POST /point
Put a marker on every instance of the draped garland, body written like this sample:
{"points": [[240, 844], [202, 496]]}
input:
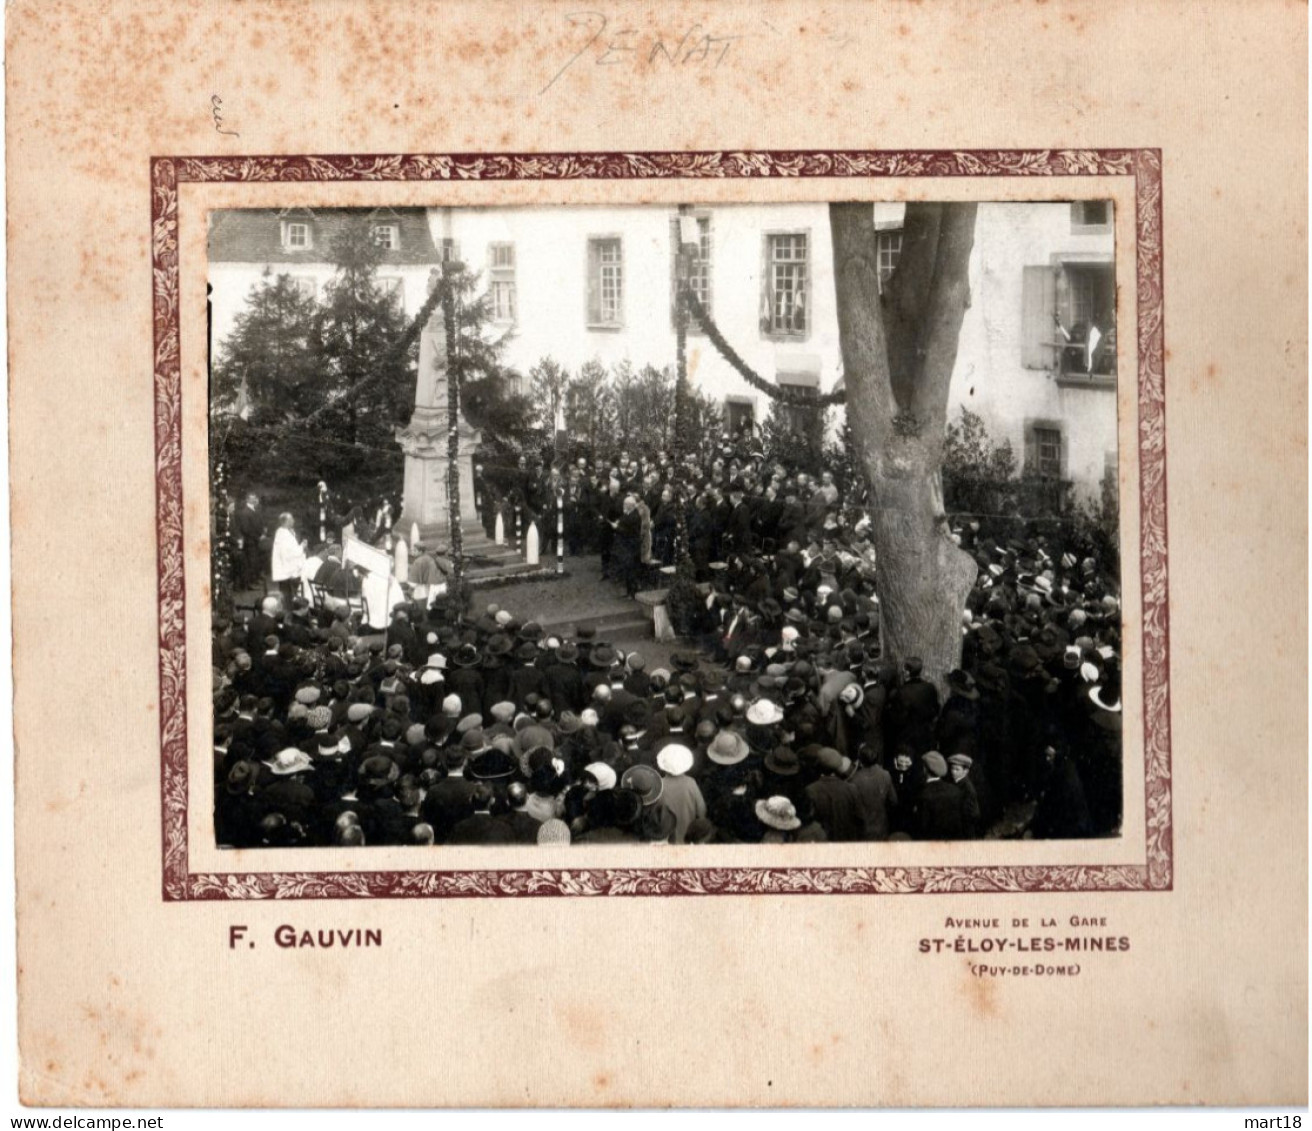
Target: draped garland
{"points": [[681, 555], [221, 551], [453, 368], [682, 597], [745, 371]]}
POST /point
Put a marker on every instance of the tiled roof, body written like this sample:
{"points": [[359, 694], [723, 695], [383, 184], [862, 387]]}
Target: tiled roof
{"points": [[254, 235]]}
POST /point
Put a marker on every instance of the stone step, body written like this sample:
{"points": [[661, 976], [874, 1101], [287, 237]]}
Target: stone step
{"points": [[629, 623], [520, 570]]}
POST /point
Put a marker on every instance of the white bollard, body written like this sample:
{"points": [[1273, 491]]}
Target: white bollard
{"points": [[401, 558], [500, 535], [531, 554]]}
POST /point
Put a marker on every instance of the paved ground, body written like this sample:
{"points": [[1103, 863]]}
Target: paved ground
{"points": [[582, 595], [579, 595]]}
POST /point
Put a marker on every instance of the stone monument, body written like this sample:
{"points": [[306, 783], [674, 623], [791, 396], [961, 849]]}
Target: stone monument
{"points": [[424, 442]]}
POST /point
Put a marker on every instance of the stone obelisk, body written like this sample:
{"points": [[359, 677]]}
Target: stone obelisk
{"points": [[424, 441]]}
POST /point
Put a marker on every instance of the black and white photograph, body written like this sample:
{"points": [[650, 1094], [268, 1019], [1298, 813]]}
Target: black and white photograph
{"points": [[727, 524]]}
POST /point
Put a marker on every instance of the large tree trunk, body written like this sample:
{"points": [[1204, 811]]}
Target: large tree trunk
{"points": [[898, 357]]}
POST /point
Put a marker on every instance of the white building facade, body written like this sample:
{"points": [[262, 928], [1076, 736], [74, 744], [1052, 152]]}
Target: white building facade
{"points": [[579, 284]]}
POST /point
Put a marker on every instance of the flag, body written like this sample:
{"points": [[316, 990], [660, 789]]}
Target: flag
{"points": [[1095, 336]]}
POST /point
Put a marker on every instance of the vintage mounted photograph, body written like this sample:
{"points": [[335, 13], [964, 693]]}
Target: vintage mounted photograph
{"points": [[751, 523]]}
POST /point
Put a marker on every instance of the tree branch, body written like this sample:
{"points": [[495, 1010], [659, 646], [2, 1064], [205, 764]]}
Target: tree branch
{"points": [[870, 400], [949, 297], [906, 297]]}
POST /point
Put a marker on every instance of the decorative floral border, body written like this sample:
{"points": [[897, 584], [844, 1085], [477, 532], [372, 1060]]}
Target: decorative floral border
{"points": [[179, 883]]}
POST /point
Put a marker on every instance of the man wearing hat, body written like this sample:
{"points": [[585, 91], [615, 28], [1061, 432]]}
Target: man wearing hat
{"points": [[782, 774], [942, 809], [238, 807], [450, 799], [913, 708], [959, 766], [248, 528], [835, 801], [611, 817], [957, 730], [465, 680], [526, 677], [876, 797], [480, 826], [564, 682]]}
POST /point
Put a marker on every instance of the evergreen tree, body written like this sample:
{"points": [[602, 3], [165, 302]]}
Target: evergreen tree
{"points": [[290, 356], [794, 435]]}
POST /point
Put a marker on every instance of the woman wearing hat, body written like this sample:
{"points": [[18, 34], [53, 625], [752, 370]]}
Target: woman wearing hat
{"points": [[782, 774], [785, 821], [289, 793], [730, 786], [680, 794]]}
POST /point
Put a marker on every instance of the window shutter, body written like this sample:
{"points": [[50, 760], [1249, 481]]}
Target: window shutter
{"points": [[1031, 446], [1038, 304], [1065, 307], [767, 288], [594, 283]]}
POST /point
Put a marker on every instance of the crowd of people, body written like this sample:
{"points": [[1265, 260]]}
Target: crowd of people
{"points": [[781, 720], [626, 509]]}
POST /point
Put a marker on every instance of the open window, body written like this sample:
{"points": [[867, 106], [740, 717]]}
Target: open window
{"points": [[1069, 319], [699, 271], [785, 292], [799, 374], [739, 415]]}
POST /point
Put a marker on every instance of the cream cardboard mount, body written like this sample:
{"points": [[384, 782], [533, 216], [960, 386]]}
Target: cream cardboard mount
{"points": [[631, 964]]}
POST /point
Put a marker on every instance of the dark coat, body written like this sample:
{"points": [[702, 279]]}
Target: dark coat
{"points": [[481, 828], [468, 684], [942, 813], [875, 797], [565, 686], [837, 808], [526, 680], [449, 801]]}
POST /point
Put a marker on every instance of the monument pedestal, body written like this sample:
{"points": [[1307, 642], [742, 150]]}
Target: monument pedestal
{"points": [[426, 494]]}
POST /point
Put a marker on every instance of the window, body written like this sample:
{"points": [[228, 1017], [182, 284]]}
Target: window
{"points": [[888, 249], [305, 286], [605, 282], [800, 375], [1091, 216], [798, 419], [449, 249], [784, 300], [386, 236], [699, 274], [501, 281], [296, 235], [739, 414], [1043, 454]]}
